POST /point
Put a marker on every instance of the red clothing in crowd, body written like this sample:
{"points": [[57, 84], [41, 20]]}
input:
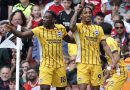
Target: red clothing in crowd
{"points": [[35, 23], [56, 9], [97, 4], [28, 86]]}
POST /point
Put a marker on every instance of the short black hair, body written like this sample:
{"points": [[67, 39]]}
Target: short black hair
{"points": [[100, 14], [119, 21], [52, 13], [12, 79], [115, 2], [106, 27]]}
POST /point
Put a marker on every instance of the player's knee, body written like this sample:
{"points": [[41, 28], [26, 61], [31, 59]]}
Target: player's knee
{"points": [[44, 87]]}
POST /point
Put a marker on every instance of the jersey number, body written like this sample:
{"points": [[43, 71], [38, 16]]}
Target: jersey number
{"points": [[63, 79]]}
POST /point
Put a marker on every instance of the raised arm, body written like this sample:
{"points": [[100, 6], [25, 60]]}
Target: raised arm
{"points": [[74, 18], [20, 34]]}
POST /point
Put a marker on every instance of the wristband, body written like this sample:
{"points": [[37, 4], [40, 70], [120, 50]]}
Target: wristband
{"points": [[109, 68]]}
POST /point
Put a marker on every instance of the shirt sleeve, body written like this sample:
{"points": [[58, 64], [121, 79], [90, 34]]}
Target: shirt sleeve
{"points": [[36, 31], [101, 34], [112, 44]]}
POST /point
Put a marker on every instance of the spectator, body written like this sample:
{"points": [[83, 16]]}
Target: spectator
{"points": [[114, 10], [54, 6], [124, 36], [24, 65], [99, 5], [13, 61], [18, 18], [5, 74], [32, 80], [12, 84], [64, 18], [5, 58], [25, 6], [72, 75], [35, 20], [5, 9], [127, 54], [125, 9]]}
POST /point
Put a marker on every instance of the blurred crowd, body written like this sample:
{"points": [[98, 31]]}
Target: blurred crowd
{"points": [[112, 15]]}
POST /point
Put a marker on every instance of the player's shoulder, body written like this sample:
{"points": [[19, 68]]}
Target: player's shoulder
{"points": [[59, 26], [79, 24], [38, 28], [111, 40]]}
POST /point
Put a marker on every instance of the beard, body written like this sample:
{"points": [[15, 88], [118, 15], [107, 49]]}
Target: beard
{"points": [[31, 79]]}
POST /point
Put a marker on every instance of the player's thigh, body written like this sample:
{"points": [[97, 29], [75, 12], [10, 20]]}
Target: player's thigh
{"points": [[45, 75], [116, 81], [97, 75], [83, 76], [59, 77]]}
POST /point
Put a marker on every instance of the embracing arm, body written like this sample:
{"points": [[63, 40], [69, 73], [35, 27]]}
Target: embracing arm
{"points": [[69, 39], [20, 34]]}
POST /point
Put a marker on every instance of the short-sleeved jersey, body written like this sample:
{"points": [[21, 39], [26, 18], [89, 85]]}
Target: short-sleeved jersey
{"points": [[25, 10], [90, 37], [51, 43], [114, 47]]}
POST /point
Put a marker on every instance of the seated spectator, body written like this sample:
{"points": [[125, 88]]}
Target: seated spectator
{"points": [[125, 9], [32, 80], [12, 84], [127, 54], [24, 66], [5, 58], [64, 18], [72, 75], [124, 36], [114, 10], [35, 20], [13, 61], [5, 74], [18, 18], [25, 6], [54, 6]]}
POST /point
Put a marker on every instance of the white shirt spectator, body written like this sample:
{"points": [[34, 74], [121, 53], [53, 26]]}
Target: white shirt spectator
{"points": [[108, 20]]}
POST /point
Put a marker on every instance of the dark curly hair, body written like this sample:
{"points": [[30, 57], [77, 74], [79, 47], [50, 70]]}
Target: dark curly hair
{"points": [[22, 15]]}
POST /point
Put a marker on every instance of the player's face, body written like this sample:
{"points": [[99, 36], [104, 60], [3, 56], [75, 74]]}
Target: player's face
{"points": [[119, 28], [48, 19], [86, 15]]}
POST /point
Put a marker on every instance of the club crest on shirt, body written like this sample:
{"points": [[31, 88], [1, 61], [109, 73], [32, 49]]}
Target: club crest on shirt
{"points": [[96, 32], [59, 33]]}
